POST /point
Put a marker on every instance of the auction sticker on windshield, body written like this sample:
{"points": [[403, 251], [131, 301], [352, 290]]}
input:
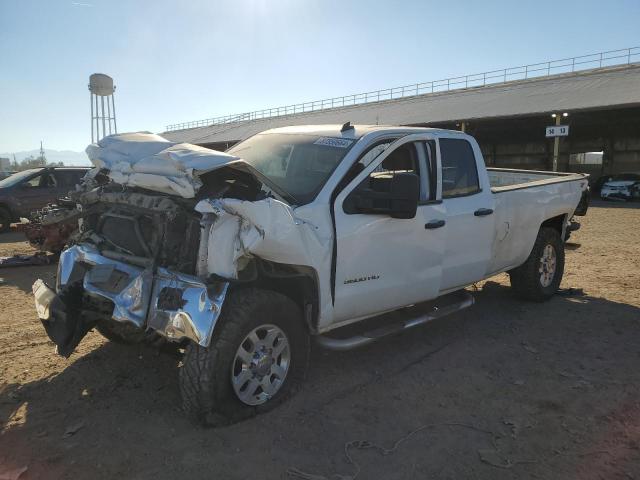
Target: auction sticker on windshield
{"points": [[333, 142]]}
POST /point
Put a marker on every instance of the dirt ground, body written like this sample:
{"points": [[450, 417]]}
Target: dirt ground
{"points": [[504, 390]]}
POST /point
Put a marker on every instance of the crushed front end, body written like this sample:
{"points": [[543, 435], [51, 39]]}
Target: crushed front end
{"points": [[134, 261], [156, 233], [135, 256]]}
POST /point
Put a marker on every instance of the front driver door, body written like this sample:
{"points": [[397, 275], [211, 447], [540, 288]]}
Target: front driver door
{"points": [[384, 263]]}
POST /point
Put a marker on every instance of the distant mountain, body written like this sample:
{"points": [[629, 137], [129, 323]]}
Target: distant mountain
{"points": [[68, 157]]}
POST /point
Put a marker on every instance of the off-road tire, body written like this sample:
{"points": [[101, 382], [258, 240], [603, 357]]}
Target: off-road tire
{"points": [[525, 280], [205, 377], [5, 220]]}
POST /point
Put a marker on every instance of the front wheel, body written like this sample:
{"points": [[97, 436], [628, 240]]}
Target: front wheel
{"points": [[257, 358], [538, 279]]}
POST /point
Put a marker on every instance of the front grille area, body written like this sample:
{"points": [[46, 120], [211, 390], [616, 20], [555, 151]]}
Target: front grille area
{"points": [[131, 234]]}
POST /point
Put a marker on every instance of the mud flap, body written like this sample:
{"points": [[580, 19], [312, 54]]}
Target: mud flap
{"points": [[65, 323]]}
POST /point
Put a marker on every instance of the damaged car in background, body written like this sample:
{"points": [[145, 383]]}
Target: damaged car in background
{"points": [[28, 191], [340, 233], [621, 187]]}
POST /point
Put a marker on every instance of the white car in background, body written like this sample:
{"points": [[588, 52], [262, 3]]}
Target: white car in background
{"points": [[624, 186]]}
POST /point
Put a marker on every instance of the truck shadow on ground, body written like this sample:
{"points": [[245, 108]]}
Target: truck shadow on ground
{"points": [[550, 390]]}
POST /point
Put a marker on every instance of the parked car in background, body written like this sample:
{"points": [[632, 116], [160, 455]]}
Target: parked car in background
{"points": [[25, 192], [621, 187]]}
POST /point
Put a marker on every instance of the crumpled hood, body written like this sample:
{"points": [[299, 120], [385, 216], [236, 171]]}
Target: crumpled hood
{"points": [[147, 160]]}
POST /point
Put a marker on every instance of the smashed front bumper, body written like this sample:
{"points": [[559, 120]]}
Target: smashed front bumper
{"points": [[176, 305]]}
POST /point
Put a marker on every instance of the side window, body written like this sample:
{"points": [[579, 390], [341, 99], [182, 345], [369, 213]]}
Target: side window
{"points": [[373, 153], [48, 181], [44, 180], [403, 159], [368, 157], [459, 171], [68, 178], [78, 177], [33, 182]]}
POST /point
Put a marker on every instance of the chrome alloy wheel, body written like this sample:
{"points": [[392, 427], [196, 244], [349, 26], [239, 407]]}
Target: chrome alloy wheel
{"points": [[261, 364], [547, 268]]}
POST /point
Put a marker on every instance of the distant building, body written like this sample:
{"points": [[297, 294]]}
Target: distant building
{"points": [[508, 116], [5, 163]]}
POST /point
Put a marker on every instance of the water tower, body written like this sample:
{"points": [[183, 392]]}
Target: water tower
{"points": [[103, 120]]}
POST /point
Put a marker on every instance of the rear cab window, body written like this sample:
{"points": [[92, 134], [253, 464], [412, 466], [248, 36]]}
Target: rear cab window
{"points": [[459, 168]]}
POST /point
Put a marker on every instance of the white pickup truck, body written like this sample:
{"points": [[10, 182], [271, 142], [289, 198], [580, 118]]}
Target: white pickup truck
{"points": [[242, 257]]}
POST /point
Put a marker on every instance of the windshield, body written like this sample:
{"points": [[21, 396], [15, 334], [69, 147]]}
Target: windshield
{"points": [[18, 177], [298, 164]]}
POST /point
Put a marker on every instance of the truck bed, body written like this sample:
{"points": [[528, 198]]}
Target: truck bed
{"points": [[505, 179]]}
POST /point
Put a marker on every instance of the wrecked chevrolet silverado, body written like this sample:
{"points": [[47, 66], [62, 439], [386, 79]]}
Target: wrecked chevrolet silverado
{"points": [[341, 233]]}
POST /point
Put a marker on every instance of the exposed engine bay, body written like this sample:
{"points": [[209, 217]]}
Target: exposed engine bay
{"points": [[141, 248]]}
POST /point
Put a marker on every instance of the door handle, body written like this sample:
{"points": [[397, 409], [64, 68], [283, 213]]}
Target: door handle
{"points": [[434, 224], [483, 212]]}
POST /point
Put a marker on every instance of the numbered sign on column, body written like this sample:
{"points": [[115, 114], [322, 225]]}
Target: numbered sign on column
{"points": [[558, 131]]}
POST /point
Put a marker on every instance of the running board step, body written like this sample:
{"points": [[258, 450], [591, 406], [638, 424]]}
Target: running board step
{"points": [[398, 321]]}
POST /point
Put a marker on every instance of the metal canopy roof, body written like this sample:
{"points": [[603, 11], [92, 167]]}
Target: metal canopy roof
{"points": [[615, 87]]}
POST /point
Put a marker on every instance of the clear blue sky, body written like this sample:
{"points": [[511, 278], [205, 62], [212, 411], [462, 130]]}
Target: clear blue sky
{"points": [[176, 61]]}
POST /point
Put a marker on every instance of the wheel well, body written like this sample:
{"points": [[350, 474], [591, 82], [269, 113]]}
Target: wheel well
{"points": [[298, 282], [557, 223]]}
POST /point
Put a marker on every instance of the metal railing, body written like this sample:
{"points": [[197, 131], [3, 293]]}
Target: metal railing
{"points": [[536, 70]]}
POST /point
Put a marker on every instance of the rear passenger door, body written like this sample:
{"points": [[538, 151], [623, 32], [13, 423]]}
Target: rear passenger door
{"points": [[468, 203]]}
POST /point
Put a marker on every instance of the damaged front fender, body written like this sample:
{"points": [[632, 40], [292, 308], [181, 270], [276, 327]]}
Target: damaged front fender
{"points": [[184, 307]]}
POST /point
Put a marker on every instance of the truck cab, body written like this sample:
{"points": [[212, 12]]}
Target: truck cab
{"points": [[446, 245]]}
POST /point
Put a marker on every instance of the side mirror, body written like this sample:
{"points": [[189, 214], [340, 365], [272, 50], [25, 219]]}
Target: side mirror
{"points": [[393, 194]]}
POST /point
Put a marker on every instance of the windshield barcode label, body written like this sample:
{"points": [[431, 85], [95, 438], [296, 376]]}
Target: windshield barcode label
{"points": [[333, 142]]}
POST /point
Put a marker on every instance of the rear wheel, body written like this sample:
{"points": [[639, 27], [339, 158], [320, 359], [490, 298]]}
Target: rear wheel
{"points": [[5, 220], [257, 358], [539, 277]]}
